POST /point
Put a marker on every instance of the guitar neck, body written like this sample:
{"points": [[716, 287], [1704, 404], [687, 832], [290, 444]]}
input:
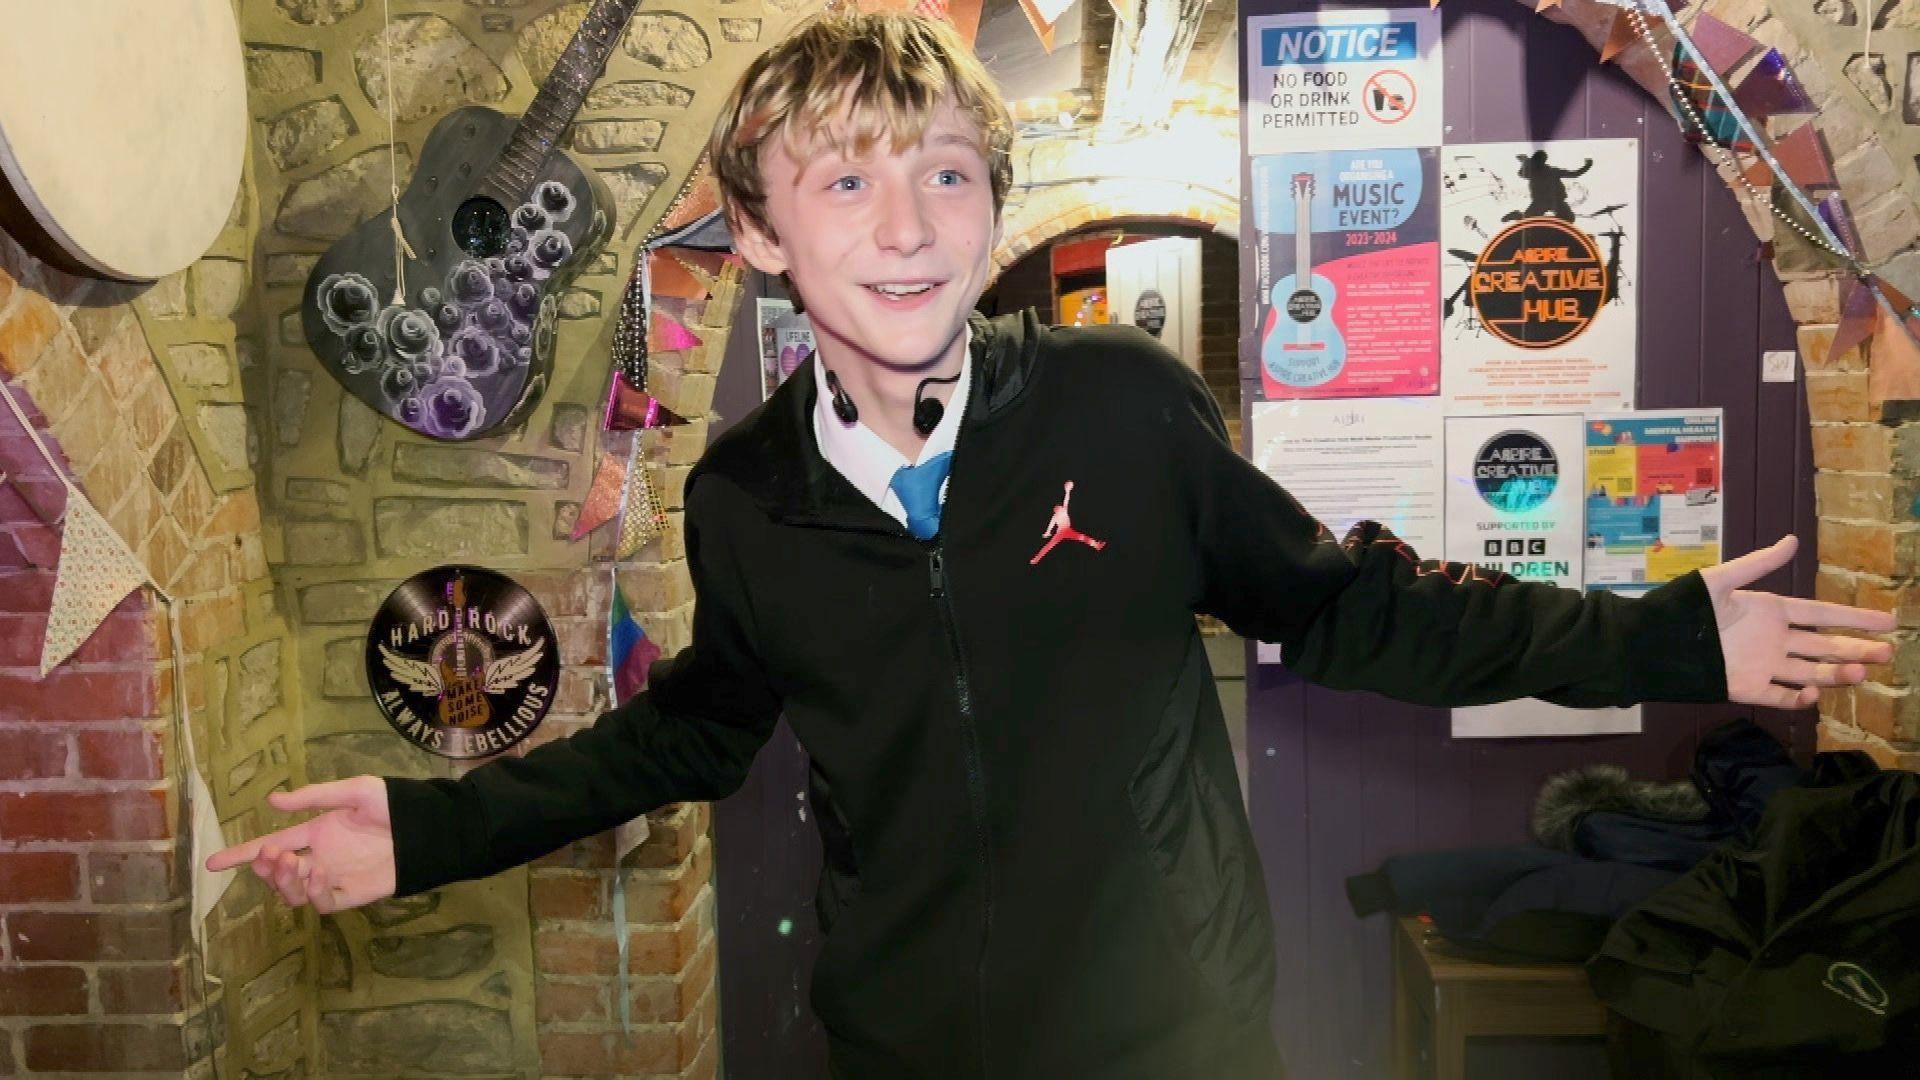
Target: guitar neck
{"points": [[537, 136], [1303, 239]]}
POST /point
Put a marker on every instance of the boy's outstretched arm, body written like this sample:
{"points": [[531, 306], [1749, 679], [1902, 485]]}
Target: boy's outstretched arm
{"points": [[691, 735], [1368, 613]]}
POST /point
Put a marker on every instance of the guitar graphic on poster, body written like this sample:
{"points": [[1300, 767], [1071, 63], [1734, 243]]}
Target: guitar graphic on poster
{"points": [[1311, 351]]}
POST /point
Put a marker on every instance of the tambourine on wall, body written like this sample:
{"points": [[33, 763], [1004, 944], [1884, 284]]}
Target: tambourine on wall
{"points": [[123, 130]]}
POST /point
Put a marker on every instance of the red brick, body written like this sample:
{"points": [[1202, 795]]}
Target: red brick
{"points": [[78, 695], [84, 815], [120, 755], [571, 1002], [574, 952], [662, 952], [644, 1052], [27, 590], [42, 991], [112, 937], [25, 332], [96, 1047], [28, 877], [132, 877], [32, 753], [142, 988], [569, 894]]}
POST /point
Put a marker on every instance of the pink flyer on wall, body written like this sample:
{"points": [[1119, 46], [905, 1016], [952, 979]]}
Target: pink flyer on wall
{"points": [[1348, 269]]}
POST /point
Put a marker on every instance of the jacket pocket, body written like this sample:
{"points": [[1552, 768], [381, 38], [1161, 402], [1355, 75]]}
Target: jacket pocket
{"points": [[1197, 837]]}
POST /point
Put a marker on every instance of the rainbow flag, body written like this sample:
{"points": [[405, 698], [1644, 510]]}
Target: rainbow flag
{"points": [[629, 651]]}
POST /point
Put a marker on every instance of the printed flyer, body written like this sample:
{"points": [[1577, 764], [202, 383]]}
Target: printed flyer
{"points": [[1342, 79], [1347, 264], [1514, 495], [1654, 506], [1541, 248], [786, 342]]}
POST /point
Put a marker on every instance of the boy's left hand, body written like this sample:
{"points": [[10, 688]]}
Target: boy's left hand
{"points": [[1773, 656]]}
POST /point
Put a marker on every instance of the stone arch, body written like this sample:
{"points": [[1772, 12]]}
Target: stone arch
{"points": [[1116, 200]]}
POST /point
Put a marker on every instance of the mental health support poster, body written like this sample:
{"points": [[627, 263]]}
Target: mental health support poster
{"points": [[1654, 506], [1348, 273], [1541, 248], [1331, 80]]}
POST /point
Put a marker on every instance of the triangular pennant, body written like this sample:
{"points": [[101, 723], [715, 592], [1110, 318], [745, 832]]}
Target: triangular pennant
{"points": [[705, 265], [603, 496], [1804, 157], [1770, 89], [1903, 308], [1720, 45], [95, 573], [1544, 5], [1620, 36], [630, 652], [1702, 113], [668, 334], [672, 278], [1758, 174], [699, 196], [1859, 315], [1893, 371], [641, 516], [632, 410], [1833, 210]]}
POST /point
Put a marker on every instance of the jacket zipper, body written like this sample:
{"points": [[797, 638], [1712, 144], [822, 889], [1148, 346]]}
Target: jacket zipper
{"points": [[976, 781]]}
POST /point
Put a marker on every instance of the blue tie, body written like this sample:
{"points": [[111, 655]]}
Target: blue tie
{"points": [[919, 489]]}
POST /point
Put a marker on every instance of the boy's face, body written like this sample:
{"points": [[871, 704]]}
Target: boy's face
{"points": [[888, 252]]}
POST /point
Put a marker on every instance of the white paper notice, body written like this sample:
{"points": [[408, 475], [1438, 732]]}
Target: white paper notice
{"points": [[1515, 495], [1343, 80], [1352, 461]]}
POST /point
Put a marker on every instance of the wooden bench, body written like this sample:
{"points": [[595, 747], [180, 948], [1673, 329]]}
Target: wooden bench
{"points": [[1462, 998]]}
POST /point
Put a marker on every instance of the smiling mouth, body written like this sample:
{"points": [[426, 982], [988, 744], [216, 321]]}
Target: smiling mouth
{"points": [[904, 289]]}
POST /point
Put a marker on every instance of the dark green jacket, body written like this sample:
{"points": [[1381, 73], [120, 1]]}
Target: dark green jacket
{"points": [[1037, 851]]}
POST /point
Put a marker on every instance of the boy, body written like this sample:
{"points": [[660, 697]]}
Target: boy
{"points": [[1037, 861]]}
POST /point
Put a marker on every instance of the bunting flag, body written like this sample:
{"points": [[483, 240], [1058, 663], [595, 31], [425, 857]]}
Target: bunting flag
{"points": [[1859, 317], [1538, 8], [705, 266], [1804, 157], [632, 410], [642, 517], [668, 334], [699, 197], [1720, 45], [1833, 211], [630, 652], [672, 278], [1621, 35], [603, 495], [1771, 89], [1903, 308], [96, 572], [1721, 126], [1893, 372]]}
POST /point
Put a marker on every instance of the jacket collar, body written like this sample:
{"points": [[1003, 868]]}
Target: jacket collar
{"points": [[773, 457]]}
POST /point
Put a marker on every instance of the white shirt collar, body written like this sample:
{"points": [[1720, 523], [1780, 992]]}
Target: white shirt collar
{"points": [[869, 461]]}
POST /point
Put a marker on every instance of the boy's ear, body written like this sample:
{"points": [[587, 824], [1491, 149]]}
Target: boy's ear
{"points": [[760, 250]]}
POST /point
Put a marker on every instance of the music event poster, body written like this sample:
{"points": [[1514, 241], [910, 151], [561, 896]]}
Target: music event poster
{"points": [[1346, 263], [1540, 252], [1654, 497]]}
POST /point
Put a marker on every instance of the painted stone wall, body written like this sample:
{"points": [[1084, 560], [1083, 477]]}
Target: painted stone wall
{"points": [[514, 973]]}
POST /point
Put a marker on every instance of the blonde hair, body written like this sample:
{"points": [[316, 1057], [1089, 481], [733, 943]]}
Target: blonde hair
{"points": [[888, 70]]}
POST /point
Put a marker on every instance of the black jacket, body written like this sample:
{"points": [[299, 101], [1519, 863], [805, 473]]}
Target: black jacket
{"points": [[1793, 954], [1041, 858]]}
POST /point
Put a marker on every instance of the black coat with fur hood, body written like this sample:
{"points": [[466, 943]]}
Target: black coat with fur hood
{"points": [[1038, 852]]}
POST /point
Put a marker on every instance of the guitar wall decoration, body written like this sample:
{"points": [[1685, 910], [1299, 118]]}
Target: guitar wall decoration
{"points": [[1313, 351], [497, 220]]}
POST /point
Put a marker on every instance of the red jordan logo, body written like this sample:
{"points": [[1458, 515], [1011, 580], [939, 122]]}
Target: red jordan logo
{"points": [[1060, 527]]}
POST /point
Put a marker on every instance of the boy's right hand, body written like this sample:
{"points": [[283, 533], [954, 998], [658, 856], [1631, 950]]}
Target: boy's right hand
{"points": [[339, 859]]}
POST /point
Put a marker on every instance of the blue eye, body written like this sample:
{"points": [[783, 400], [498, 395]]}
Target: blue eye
{"points": [[951, 177], [848, 183]]}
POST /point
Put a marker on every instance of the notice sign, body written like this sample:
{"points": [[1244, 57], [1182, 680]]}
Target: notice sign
{"points": [[1347, 261], [1654, 506], [1541, 247], [1514, 495], [1342, 80]]}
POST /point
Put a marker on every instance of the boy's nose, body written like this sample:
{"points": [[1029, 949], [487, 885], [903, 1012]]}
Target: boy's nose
{"points": [[903, 225]]}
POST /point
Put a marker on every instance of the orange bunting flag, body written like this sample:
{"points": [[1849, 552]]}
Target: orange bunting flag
{"points": [[603, 496], [667, 276], [1545, 4], [1620, 37]]}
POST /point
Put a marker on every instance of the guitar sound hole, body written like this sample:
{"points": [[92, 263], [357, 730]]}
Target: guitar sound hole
{"points": [[481, 226]]}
